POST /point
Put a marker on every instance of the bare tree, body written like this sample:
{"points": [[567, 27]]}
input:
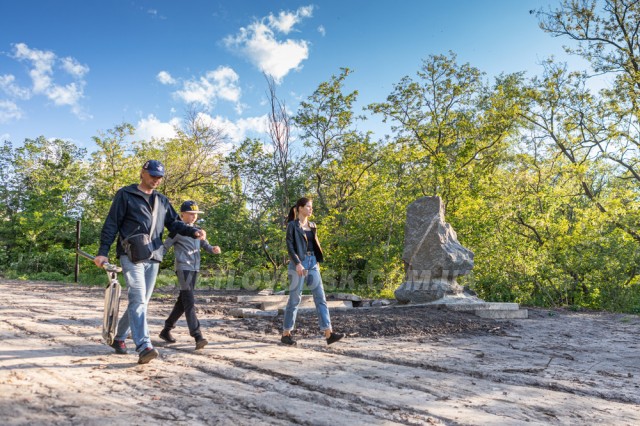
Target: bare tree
{"points": [[279, 132]]}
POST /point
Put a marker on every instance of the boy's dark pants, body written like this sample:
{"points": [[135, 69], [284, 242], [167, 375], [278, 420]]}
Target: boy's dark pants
{"points": [[186, 304]]}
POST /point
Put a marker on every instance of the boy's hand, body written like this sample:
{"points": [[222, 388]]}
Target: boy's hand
{"points": [[216, 250]]}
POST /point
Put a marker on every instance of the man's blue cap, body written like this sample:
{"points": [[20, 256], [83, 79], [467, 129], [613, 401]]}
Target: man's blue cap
{"points": [[154, 167]]}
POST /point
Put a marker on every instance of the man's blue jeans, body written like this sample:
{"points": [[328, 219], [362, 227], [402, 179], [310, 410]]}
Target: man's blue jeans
{"points": [[140, 279], [314, 283]]}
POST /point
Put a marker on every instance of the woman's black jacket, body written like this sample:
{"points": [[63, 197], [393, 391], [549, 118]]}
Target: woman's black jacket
{"points": [[297, 242]]}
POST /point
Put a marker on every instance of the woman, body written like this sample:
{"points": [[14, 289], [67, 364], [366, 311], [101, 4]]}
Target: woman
{"points": [[305, 253]]}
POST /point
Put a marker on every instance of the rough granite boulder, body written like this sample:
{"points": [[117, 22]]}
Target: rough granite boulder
{"points": [[432, 256]]}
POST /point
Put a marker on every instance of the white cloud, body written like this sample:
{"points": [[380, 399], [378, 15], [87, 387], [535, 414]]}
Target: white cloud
{"points": [[74, 67], [285, 21], [5, 137], [69, 94], [9, 111], [322, 30], [226, 80], [42, 72], [238, 130], [221, 83], [152, 128], [165, 78], [305, 11], [42, 63], [154, 13], [10, 87], [258, 42]]}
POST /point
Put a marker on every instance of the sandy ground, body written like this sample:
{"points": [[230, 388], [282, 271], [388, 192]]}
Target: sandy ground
{"points": [[435, 367]]}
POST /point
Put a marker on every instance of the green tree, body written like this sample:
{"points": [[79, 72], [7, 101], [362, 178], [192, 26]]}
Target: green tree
{"points": [[340, 155], [341, 168], [606, 34], [43, 195], [113, 167], [450, 125]]}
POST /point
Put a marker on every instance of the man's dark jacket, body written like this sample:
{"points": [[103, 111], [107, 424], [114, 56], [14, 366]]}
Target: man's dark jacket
{"points": [[131, 214], [297, 242]]}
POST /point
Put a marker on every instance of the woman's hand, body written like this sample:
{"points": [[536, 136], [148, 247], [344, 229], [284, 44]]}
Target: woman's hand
{"points": [[216, 250], [300, 269]]}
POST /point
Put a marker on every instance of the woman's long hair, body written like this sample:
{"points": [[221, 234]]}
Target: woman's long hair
{"points": [[293, 213]]}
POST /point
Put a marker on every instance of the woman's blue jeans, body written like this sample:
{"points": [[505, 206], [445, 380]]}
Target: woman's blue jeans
{"points": [[140, 279], [314, 283]]}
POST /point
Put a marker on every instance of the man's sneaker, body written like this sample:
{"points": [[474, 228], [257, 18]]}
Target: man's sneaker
{"points": [[165, 335], [201, 343], [287, 340], [147, 355], [119, 346], [334, 337]]}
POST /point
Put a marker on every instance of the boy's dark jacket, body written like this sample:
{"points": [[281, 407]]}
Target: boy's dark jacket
{"points": [[297, 242], [130, 214]]}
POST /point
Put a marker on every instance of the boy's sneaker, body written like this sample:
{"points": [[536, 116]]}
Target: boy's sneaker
{"points": [[147, 355], [334, 337], [119, 346], [201, 343], [288, 340], [165, 335]]}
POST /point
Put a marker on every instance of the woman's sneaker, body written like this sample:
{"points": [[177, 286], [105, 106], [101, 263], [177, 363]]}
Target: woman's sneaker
{"points": [[334, 337], [119, 346], [287, 340]]}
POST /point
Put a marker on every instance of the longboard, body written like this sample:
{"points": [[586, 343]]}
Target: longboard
{"points": [[111, 308], [111, 300]]}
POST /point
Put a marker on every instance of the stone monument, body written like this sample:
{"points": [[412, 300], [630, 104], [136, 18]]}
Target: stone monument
{"points": [[432, 256]]}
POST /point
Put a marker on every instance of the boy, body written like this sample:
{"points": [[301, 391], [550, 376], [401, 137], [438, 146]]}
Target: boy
{"points": [[187, 252]]}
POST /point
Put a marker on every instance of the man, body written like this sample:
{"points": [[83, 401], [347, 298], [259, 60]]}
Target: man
{"points": [[131, 213]]}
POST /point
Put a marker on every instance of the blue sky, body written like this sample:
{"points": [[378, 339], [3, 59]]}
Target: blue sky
{"points": [[70, 69]]}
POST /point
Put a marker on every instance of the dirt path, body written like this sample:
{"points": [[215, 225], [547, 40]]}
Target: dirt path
{"points": [[554, 368]]}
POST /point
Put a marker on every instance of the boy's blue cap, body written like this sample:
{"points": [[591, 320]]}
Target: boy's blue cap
{"points": [[154, 167], [189, 207]]}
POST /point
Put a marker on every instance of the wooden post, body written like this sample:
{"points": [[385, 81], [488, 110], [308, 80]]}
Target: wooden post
{"points": [[77, 269]]}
